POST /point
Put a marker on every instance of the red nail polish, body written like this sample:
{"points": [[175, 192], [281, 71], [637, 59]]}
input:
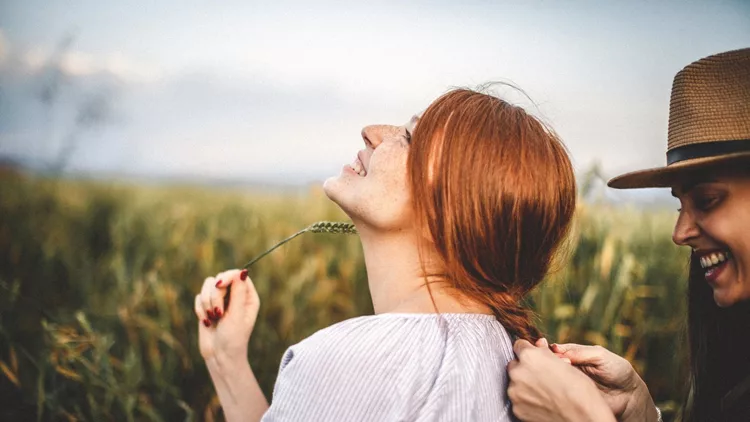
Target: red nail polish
{"points": [[217, 312], [207, 323], [210, 314], [243, 275], [218, 283]]}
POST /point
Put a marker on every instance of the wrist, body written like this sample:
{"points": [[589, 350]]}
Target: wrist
{"points": [[587, 405], [222, 366], [641, 406], [594, 411]]}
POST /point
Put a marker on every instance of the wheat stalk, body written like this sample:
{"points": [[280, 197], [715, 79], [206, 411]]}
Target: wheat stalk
{"points": [[334, 227]]}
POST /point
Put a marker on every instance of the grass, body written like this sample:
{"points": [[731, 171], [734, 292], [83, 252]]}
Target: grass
{"points": [[97, 284]]}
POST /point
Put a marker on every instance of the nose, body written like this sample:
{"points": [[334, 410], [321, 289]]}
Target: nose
{"points": [[685, 229], [374, 135]]}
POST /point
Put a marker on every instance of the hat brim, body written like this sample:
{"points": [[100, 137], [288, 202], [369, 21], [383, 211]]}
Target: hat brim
{"points": [[664, 177]]}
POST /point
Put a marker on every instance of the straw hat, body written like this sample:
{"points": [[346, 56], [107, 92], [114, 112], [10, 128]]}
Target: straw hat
{"points": [[709, 120]]}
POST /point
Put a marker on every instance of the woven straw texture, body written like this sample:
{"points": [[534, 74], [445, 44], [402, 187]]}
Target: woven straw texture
{"points": [[711, 100], [710, 103]]}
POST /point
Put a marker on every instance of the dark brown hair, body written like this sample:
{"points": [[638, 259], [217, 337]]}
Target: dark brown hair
{"points": [[719, 342], [495, 190]]}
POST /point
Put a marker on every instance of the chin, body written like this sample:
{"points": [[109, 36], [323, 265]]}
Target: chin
{"points": [[725, 298], [329, 187], [338, 191], [722, 301]]}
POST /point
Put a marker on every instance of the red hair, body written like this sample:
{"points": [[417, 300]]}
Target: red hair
{"points": [[495, 190]]}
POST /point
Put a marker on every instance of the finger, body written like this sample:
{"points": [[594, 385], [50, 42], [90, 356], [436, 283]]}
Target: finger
{"points": [[224, 279], [511, 391], [563, 358], [221, 283], [209, 284], [582, 355], [520, 346], [513, 365], [217, 301], [218, 294], [224, 284], [562, 348], [201, 313], [542, 342]]}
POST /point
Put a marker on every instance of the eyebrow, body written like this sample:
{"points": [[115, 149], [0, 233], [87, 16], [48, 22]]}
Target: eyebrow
{"points": [[687, 187]]}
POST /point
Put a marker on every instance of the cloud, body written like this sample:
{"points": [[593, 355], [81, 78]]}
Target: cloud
{"points": [[4, 48], [77, 63], [33, 60], [129, 69]]}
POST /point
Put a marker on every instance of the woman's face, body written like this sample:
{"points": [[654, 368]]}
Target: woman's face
{"points": [[714, 220], [374, 189]]}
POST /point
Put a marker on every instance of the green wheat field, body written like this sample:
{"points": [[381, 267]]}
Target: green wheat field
{"points": [[97, 282]]}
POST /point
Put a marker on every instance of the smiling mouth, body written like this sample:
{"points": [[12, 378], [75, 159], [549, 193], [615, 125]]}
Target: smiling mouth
{"points": [[358, 167], [714, 263]]}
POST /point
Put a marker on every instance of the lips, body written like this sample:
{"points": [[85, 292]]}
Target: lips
{"points": [[358, 167], [714, 263]]}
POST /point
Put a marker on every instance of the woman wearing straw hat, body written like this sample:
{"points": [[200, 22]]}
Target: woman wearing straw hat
{"points": [[708, 169]]}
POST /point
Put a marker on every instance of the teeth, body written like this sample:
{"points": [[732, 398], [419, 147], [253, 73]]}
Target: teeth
{"points": [[358, 167], [713, 259]]}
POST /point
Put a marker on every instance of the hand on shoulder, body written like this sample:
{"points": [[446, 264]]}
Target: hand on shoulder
{"points": [[620, 385], [544, 387]]}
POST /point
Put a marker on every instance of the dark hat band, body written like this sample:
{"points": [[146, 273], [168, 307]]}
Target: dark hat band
{"points": [[707, 149]]}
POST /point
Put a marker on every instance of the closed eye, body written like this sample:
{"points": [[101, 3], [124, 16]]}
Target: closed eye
{"points": [[407, 135], [706, 203]]}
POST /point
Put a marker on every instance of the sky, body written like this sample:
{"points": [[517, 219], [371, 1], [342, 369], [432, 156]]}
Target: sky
{"points": [[277, 92]]}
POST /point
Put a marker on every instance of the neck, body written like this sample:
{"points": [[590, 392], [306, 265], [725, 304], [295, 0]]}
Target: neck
{"points": [[395, 276]]}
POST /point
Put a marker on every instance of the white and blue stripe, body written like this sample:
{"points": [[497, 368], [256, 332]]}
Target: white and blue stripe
{"points": [[397, 367]]}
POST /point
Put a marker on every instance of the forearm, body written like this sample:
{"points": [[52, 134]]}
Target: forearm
{"points": [[641, 407], [239, 392]]}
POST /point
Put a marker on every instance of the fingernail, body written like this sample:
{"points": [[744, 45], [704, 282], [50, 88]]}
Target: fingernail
{"points": [[207, 323], [544, 342], [243, 275], [217, 312], [210, 314], [218, 283]]}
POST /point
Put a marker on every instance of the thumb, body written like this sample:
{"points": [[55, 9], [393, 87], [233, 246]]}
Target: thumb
{"points": [[520, 346], [542, 342], [580, 354]]}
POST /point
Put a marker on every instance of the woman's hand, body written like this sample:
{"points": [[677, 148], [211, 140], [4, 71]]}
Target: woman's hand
{"points": [[623, 390], [224, 333], [544, 387]]}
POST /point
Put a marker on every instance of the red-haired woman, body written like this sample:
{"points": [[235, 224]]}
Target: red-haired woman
{"points": [[460, 213]]}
